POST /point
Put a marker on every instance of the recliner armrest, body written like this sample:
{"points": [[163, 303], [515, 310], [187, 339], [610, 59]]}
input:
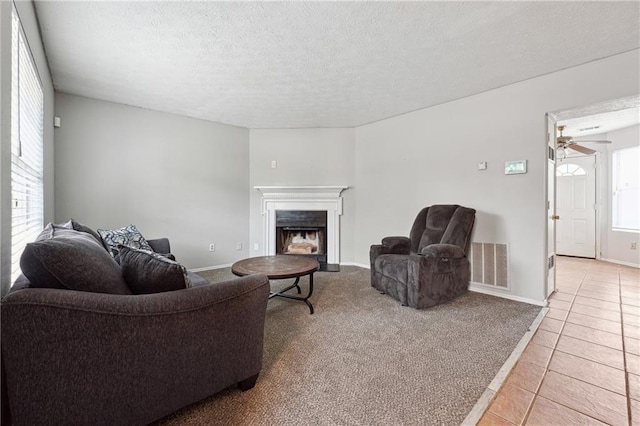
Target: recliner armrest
{"points": [[390, 245], [448, 251], [397, 245]]}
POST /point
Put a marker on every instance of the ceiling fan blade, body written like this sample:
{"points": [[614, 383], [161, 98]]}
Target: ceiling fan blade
{"points": [[581, 149], [596, 141]]}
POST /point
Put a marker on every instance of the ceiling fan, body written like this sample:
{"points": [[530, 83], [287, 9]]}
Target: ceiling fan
{"points": [[567, 142]]}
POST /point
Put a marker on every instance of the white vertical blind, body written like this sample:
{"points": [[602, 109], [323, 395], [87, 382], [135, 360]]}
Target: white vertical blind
{"points": [[27, 139]]}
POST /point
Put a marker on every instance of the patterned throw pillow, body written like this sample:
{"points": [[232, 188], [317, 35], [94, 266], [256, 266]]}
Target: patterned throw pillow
{"points": [[129, 236], [148, 272]]}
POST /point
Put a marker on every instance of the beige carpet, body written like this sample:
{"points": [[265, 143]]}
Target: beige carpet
{"points": [[362, 359]]}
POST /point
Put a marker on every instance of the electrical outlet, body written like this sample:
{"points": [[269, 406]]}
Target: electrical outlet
{"points": [[238, 245], [256, 246], [633, 245], [212, 247], [274, 164]]}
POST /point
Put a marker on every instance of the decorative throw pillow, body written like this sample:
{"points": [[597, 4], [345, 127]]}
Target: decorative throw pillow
{"points": [[72, 260], [129, 236], [148, 272]]}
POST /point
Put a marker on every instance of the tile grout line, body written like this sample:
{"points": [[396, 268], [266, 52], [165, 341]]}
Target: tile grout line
{"points": [[624, 352], [553, 351], [547, 369], [491, 392]]}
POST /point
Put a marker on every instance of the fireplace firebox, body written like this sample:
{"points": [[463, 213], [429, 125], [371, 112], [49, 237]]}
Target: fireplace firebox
{"points": [[303, 233]]}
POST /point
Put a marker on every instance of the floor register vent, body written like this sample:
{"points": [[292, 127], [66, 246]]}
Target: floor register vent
{"points": [[490, 264]]}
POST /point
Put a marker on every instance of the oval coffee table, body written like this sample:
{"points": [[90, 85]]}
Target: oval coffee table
{"points": [[280, 267]]}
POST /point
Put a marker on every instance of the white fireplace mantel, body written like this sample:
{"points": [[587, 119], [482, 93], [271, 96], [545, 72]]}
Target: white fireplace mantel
{"points": [[300, 191], [322, 198]]}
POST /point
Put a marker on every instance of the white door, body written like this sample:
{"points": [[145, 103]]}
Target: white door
{"points": [[551, 206], [576, 206]]}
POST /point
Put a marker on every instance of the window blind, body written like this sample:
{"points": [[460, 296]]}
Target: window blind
{"points": [[27, 154]]}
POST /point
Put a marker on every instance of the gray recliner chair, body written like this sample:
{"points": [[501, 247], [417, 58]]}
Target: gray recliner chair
{"points": [[431, 266]]}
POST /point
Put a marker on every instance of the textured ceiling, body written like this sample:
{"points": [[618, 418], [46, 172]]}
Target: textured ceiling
{"points": [[600, 118], [318, 64]]}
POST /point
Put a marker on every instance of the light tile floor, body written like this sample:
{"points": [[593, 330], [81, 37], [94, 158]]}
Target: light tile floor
{"points": [[582, 367]]}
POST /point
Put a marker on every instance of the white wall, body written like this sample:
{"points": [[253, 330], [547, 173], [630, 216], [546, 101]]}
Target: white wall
{"points": [[430, 157], [170, 175], [618, 243], [30, 26], [304, 157]]}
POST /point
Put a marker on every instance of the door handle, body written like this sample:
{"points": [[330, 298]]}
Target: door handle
{"points": [[555, 217]]}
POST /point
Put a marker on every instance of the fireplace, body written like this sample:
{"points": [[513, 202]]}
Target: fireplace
{"points": [[303, 220], [302, 232]]}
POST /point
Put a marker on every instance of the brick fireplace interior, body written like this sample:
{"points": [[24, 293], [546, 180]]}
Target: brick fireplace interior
{"points": [[303, 233]]}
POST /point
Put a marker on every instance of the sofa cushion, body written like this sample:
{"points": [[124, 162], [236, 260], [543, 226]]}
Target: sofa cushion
{"points": [[147, 272], [47, 231], [83, 228], [73, 260], [128, 236], [196, 280]]}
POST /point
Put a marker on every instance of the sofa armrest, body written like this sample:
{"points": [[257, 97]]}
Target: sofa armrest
{"points": [[448, 251], [92, 358], [160, 245]]}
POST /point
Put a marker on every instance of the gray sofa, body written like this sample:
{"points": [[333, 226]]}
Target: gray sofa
{"points": [[73, 357], [430, 266]]}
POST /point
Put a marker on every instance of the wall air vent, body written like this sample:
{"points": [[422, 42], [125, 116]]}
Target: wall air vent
{"points": [[490, 264]]}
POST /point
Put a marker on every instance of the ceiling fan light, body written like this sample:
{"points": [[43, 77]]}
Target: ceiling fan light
{"points": [[562, 153]]}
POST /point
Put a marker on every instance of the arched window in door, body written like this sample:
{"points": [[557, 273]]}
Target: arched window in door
{"points": [[569, 169]]}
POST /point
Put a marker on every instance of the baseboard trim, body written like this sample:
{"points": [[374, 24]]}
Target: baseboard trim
{"points": [[620, 262], [360, 265], [479, 288], [209, 268]]}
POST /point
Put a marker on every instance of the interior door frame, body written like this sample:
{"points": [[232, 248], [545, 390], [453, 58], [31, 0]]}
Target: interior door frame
{"points": [[551, 150], [599, 203]]}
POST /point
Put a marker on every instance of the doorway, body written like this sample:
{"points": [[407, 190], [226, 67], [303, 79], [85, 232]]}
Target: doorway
{"points": [[576, 206], [588, 122]]}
